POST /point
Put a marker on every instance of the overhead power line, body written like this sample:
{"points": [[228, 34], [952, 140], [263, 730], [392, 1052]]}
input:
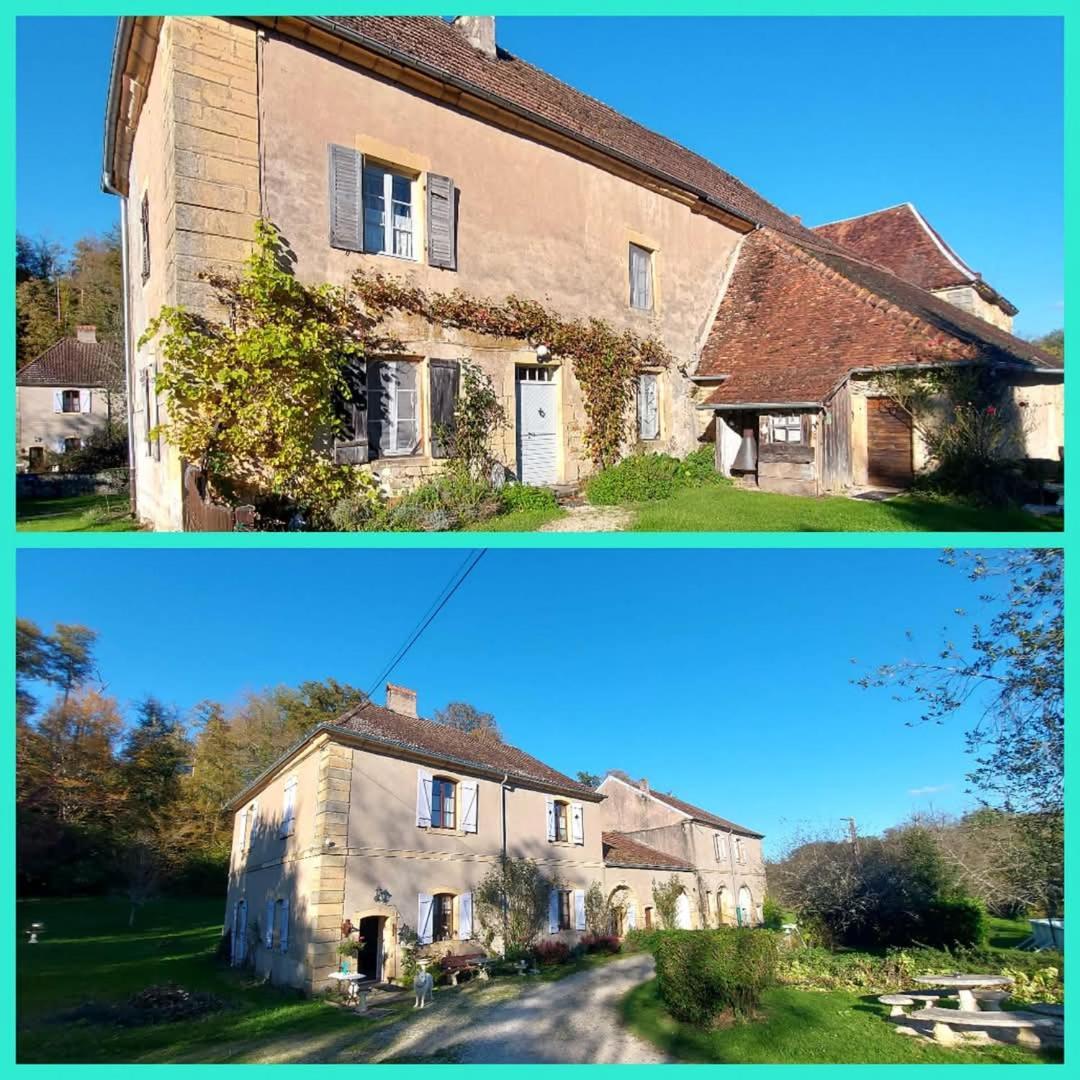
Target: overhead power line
{"points": [[457, 579]]}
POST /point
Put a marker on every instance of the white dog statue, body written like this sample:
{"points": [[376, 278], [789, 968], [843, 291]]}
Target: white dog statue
{"points": [[423, 985]]}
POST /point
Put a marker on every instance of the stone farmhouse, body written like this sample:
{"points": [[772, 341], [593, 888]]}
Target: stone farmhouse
{"points": [[418, 147], [388, 822], [63, 396]]}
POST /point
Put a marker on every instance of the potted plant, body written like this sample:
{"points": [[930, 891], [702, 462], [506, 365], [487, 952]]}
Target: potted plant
{"points": [[349, 949]]}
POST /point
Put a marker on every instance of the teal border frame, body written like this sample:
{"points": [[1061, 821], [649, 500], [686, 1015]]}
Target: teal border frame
{"points": [[1068, 12]]}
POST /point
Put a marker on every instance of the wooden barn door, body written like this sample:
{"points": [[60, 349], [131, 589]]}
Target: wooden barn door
{"points": [[888, 444]]}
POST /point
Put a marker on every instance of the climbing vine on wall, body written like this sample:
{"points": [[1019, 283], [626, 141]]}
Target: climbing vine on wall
{"points": [[605, 361]]}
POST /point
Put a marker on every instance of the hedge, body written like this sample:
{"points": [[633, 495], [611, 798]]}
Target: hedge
{"points": [[703, 973]]}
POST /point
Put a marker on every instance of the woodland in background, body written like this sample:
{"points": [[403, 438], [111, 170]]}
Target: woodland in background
{"points": [[110, 798], [57, 290]]}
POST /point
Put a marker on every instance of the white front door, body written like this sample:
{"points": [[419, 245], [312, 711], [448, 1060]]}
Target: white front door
{"points": [[682, 912], [537, 431]]}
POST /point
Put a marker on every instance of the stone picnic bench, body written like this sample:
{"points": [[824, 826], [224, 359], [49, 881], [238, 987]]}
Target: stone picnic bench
{"points": [[464, 964], [980, 1017]]}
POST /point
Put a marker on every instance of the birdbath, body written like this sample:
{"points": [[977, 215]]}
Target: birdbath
{"points": [[32, 932], [965, 985]]}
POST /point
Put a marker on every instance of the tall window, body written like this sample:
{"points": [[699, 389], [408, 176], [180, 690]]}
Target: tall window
{"points": [[720, 847], [442, 803], [641, 278], [648, 411], [740, 855], [71, 401], [565, 900], [442, 917], [648, 918], [71, 445], [388, 212], [562, 831], [392, 408]]}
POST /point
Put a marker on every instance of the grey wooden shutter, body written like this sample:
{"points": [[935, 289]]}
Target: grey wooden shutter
{"points": [[351, 446], [445, 376], [346, 209], [441, 222]]}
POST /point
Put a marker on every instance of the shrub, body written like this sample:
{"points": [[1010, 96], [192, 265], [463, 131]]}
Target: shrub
{"points": [[601, 943], [772, 914], [1039, 988], [511, 903], [549, 953], [646, 477], [955, 923], [523, 497], [641, 940], [703, 973]]}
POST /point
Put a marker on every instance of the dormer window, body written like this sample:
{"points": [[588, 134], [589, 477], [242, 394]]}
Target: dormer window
{"points": [[443, 800]]}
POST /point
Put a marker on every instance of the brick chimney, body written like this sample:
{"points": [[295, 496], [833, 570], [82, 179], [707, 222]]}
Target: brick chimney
{"points": [[400, 699], [478, 31], [643, 785], [87, 334]]}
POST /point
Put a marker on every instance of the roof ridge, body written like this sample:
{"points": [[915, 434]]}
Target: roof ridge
{"points": [[857, 217]]}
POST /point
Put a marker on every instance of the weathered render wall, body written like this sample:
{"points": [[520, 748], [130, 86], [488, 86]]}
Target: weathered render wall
{"points": [[390, 860], [634, 885], [1041, 401], [293, 867], [967, 298], [531, 220], [196, 155], [37, 424]]}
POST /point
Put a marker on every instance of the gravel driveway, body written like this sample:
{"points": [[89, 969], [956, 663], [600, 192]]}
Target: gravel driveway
{"points": [[572, 1020]]}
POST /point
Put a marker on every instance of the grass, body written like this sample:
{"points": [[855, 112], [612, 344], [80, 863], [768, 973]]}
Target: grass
{"points": [[725, 508], [518, 521], [1008, 933], [88, 953], [76, 513], [803, 1027]]}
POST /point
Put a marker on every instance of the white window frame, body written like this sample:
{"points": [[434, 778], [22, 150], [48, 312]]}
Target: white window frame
{"points": [[389, 173], [720, 847], [650, 302], [740, 854], [642, 378], [392, 420], [786, 428]]}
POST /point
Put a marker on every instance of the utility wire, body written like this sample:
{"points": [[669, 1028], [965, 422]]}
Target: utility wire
{"points": [[457, 579]]}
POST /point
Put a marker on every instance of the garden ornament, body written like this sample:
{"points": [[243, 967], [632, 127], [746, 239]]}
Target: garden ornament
{"points": [[423, 985]]}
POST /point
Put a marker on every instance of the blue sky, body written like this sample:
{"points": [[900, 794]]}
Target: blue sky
{"points": [[828, 118], [722, 676]]}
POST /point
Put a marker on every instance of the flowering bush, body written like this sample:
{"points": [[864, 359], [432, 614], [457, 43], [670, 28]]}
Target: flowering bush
{"points": [[601, 943], [549, 953]]}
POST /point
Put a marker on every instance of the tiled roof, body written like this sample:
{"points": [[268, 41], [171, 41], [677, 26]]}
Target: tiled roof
{"points": [[797, 318], [704, 816], [621, 850], [431, 41], [903, 241], [439, 740], [75, 363]]}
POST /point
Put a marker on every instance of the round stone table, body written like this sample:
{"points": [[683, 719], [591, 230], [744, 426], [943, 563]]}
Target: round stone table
{"points": [[965, 985]]}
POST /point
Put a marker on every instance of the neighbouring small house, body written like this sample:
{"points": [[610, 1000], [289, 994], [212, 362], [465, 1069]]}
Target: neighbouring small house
{"points": [[650, 833], [419, 148], [72, 389], [384, 823]]}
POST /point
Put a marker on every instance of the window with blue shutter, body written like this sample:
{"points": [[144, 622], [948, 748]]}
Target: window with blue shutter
{"points": [[346, 170]]}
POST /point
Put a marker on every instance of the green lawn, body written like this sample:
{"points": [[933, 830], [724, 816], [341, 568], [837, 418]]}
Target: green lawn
{"points": [[1008, 933], [725, 508], [88, 953], [517, 521], [803, 1027], [77, 513]]}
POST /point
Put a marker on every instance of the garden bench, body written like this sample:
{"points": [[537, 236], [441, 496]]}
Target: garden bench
{"points": [[949, 1026], [464, 963], [898, 1003]]}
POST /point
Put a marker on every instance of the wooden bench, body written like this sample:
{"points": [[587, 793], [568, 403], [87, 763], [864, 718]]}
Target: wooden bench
{"points": [[463, 963]]}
